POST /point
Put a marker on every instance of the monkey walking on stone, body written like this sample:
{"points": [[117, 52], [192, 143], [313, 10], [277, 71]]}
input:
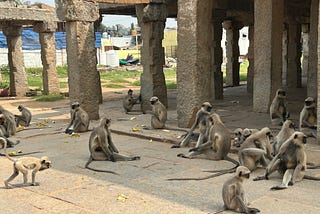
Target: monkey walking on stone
{"points": [[278, 108], [25, 118], [102, 148], [202, 120], [79, 119], [290, 162], [233, 194], [25, 164]]}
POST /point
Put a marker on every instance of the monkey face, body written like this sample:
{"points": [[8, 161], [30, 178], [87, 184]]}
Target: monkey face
{"points": [[75, 105], [45, 163], [299, 138], [130, 92], [243, 172], [206, 106], [20, 107], [281, 93], [153, 100]]}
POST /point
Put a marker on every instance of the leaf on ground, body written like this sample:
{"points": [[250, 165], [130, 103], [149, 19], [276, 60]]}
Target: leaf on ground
{"points": [[133, 118], [122, 197], [19, 128], [135, 129], [75, 134], [41, 125]]}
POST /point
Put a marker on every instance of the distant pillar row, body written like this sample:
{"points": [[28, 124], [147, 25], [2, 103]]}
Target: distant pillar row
{"points": [[18, 77], [83, 77], [48, 57], [151, 19]]}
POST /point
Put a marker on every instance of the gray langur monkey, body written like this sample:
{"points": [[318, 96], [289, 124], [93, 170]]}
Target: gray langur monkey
{"points": [[233, 194], [308, 118], [129, 101], [255, 149], [10, 123], [159, 113], [290, 162], [287, 129], [242, 134], [278, 108], [102, 148], [25, 164], [25, 118], [204, 126], [79, 119]]}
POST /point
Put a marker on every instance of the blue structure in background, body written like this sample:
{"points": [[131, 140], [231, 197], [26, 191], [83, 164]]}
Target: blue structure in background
{"points": [[30, 40]]}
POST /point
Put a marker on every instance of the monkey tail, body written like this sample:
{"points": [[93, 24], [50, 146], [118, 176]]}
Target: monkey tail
{"points": [[4, 143], [309, 177], [201, 178], [97, 170], [227, 158]]}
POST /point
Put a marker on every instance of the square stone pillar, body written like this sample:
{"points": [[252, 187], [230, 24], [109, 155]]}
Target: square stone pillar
{"points": [[48, 57], [316, 7], [293, 78], [217, 54], [313, 50], [152, 18], [268, 25], [18, 77], [305, 49], [194, 57], [232, 52], [250, 71], [83, 77]]}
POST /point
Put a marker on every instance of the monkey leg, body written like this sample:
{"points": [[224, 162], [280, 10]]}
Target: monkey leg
{"points": [[119, 157], [285, 180], [33, 181], [13, 176], [100, 156], [200, 139], [190, 155], [156, 123], [249, 156]]}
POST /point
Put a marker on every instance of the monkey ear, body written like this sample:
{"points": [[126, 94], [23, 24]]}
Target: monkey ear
{"points": [[295, 136]]}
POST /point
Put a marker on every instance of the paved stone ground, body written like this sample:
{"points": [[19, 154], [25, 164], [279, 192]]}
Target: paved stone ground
{"points": [[141, 186]]}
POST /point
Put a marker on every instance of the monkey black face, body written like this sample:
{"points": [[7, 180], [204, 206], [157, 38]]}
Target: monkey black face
{"points": [[153, 100], [20, 107], [281, 93], [75, 105], [309, 103], [45, 163], [130, 92]]}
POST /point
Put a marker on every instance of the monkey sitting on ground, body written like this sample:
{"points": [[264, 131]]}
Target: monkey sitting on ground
{"points": [[102, 148], [308, 118], [25, 118], [290, 162], [286, 131], [129, 101], [255, 149], [278, 108], [24, 164], [242, 134], [233, 192], [159, 113], [204, 126], [79, 119], [9, 122]]}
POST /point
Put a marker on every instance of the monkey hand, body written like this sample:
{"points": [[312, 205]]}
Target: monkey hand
{"points": [[290, 183], [253, 210], [136, 158], [112, 158], [35, 184], [175, 146], [259, 178], [194, 149]]}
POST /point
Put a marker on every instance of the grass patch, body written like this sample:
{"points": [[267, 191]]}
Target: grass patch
{"points": [[136, 83], [171, 84], [62, 71], [114, 86], [49, 98], [170, 73], [63, 84]]}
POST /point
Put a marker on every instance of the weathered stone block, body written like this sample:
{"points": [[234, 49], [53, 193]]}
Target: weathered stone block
{"points": [[45, 27], [154, 12]]}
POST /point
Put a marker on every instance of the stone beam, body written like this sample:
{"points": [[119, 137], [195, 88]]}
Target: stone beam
{"points": [[27, 14]]}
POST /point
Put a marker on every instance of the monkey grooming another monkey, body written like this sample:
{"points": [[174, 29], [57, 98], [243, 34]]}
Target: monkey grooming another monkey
{"points": [[286, 131], [102, 148], [9, 121], [242, 134], [278, 108], [79, 119], [256, 149], [233, 192], [25, 164], [25, 118], [308, 118], [291, 162], [129, 101], [204, 126]]}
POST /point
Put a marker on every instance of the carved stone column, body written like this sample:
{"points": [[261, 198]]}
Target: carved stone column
{"points": [[232, 52], [313, 50], [250, 71], [83, 77], [268, 19], [152, 18], [48, 57], [18, 77]]}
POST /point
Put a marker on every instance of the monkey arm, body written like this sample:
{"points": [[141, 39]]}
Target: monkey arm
{"points": [[113, 147]]}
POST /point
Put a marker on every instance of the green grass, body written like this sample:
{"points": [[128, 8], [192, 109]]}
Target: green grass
{"points": [[113, 86], [243, 71], [49, 98], [171, 84], [136, 83], [63, 85]]}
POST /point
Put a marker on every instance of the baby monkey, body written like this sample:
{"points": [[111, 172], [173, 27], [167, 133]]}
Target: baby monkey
{"points": [[233, 192], [25, 164]]}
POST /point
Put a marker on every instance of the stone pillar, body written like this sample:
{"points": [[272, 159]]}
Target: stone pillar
{"points": [[48, 57], [152, 18], [268, 19], [18, 77], [250, 71], [194, 61], [284, 55], [317, 8], [305, 49], [313, 50], [232, 52], [83, 77], [217, 55], [294, 55]]}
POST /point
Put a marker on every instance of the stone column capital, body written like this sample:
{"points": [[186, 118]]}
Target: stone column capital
{"points": [[12, 30], [154, 12], [45, 27]]}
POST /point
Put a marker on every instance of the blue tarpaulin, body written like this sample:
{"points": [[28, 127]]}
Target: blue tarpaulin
{"points": [[30, 40]]}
